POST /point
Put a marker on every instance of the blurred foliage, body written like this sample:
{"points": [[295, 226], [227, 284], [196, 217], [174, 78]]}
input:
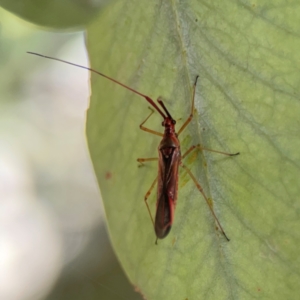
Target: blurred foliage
{"points": [[58, 14], [53, 239]]}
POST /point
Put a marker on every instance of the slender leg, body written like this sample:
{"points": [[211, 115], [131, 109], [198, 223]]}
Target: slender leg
{"points": [[191, 149], [146, 198], [202, 192], [147, 129], [189, 119], [142, 160]]}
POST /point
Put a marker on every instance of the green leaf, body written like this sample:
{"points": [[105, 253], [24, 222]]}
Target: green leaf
{"points": [[247, 56], [58, 14]]}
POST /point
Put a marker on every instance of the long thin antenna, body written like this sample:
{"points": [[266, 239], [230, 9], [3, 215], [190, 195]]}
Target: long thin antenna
{"points": [[107, 77], [165, 109]]}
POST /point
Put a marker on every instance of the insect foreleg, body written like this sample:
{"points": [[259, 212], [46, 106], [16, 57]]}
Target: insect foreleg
{"points": [[189, 119], [147, 129]]}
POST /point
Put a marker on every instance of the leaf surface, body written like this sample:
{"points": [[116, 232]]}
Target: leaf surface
{"points": [[247, 100]]}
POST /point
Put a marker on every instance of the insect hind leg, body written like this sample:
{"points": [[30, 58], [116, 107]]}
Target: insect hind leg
{"points": [[146, 199], [199, 187]]}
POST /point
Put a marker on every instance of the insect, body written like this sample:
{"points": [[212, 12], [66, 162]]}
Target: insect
{"points": [[169, 159]]}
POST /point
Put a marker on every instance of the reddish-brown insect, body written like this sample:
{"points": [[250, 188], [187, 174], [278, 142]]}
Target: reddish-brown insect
{"points": [[169, 160]]}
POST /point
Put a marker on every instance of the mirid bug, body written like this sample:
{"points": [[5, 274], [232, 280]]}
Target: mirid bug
{"points": [[169, 159]]}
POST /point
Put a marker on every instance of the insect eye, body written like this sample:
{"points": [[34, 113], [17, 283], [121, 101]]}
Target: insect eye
{"points": [[173, 122], [162, 123]]}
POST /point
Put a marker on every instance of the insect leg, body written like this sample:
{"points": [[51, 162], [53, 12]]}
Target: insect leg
{"points": [[189, 119], [192, 148], [203, 194], [220, 152], [147, 129], [142, 160], [146, 198]]}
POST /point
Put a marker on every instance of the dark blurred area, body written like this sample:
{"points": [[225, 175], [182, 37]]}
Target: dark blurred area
{"points": [[53, 240]]}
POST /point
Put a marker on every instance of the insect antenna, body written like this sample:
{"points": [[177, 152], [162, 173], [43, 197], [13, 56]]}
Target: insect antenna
{"points": [[164, 108], [148, 99]]}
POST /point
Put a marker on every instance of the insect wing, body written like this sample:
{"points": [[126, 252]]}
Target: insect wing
{"points": [[169, 159]]}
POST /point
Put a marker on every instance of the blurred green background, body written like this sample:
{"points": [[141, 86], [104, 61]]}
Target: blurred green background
{"points": [[53, 238]]}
